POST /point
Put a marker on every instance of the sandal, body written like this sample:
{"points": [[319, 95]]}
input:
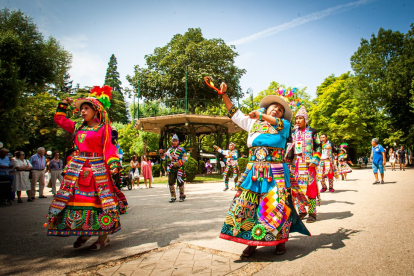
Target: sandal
{"points": [[81, 241], [248, 251], [98, 245], [280, 249]]}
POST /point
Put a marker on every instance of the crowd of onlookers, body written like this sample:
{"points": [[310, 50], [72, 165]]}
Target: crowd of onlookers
{"points": [[20, 173]]}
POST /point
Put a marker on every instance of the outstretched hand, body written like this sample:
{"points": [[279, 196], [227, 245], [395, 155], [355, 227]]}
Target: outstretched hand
{"points": [[68, 100], [214, 147], [254, 114], [223, 87]]}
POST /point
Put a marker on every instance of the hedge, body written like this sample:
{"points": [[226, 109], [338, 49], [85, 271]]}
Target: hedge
{"points": [[202, 167], [242, 164], [190, 168], [156, 170]]}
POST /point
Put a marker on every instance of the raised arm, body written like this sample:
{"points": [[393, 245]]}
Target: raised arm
{"points": [[60, 116]]}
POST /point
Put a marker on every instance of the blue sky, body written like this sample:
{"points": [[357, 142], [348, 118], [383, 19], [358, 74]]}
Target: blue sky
{"points": [[296, 43]]}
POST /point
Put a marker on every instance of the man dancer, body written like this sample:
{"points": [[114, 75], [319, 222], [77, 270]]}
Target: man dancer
{"points": [[231, 157], [304, 154], [175, 170], [327, 167]]}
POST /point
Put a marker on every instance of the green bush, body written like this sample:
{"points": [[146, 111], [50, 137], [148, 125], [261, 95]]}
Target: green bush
{"points": [[201, 167], [156, 170], [242, 164], [190, 168]]}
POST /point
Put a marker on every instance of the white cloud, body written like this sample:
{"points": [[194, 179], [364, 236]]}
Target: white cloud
{"points": [[299, 21], [88, 68]]}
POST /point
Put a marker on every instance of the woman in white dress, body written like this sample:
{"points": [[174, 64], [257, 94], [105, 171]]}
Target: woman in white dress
{"points": [[392, 159], [21, 180]]}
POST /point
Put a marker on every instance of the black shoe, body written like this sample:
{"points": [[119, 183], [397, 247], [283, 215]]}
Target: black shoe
{"points": [[29, 200], [375, 182], [32, 198], [225, 189], [42, 196], [382, 182], [171, 200]]}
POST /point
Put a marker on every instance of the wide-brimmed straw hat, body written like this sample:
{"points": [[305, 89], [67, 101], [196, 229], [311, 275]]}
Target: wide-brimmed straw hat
{"points": [[268, 100]]}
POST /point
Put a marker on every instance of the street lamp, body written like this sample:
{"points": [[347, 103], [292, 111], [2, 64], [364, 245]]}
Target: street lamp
{"points": [[250, 92]]}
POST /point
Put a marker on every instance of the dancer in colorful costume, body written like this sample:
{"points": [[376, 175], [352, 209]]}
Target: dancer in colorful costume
{"points": [[88, 203], [304, 154], [231, 157], [327, 167], [175, 170], [343, 160], [262, 212]]}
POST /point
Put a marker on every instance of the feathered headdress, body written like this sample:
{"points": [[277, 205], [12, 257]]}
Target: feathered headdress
{"points": [[102, 94]]}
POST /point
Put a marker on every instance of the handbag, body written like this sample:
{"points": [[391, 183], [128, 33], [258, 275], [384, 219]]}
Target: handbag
{"points": [[136, 173]]}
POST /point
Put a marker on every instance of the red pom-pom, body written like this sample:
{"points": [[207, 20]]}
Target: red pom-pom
{"points": [[269, 179], [254, 178], [45, 225]]}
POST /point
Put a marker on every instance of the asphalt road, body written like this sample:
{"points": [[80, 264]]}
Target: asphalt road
{"points": [[362, 229]]}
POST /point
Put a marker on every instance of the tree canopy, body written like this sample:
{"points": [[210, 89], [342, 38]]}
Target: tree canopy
{"points": [[165, 75], [384, 71]]}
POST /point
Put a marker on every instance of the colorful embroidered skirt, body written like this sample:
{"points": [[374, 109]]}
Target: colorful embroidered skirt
{"points": [[344, 167], [262, 212], [300, 170], [88, 203], [327, 169]]}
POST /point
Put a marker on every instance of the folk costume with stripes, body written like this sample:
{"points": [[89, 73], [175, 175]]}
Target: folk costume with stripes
{"points": [[88, 203], [232, 167], [327, 167], [262, 212], [175, 169], [303, 151]]}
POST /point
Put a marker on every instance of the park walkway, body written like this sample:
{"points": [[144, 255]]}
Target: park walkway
{"points": [[362, 229]]}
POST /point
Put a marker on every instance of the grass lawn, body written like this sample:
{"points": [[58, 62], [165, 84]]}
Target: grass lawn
{"points": [[199, 179]]}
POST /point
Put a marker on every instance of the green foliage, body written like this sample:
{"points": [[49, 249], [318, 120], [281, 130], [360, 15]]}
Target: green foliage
{"points": [[156, 170], [384, 70], [165, 75], [242, 164], [201, 167], [339, 113], [190, 168], [118, 111], [28, 62]]}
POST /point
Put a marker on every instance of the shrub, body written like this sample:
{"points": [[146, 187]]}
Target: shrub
{"points": [[202, 167], [242, 164], [156, 170], [190, 168]]}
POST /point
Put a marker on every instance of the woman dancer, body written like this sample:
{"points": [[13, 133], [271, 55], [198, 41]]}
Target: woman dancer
{"points": [[262, 212], [343, 167], [88, 203]]}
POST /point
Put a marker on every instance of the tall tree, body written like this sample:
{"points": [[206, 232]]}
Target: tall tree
{"points": [[340, 114], [384, 70], [28, 62], [165, 75], [118, 111]]}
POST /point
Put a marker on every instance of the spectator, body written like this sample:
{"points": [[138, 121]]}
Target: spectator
{"points": [[21, 178], [38, 162], [5, 167], [208, 167], [378, 160], [366, 161], [222, 165], [55, 169], [392, 159], [146, 171], [402, 158], [134, 171]]}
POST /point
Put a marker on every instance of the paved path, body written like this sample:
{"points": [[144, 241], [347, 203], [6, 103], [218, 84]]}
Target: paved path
{"points": [[362, 229]]}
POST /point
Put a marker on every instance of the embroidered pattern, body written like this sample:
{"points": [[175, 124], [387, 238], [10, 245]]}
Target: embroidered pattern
{"points": [[232, 111], [266, 128]]}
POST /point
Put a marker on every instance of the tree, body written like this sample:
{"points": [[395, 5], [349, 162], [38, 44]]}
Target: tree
{"points": [[118, 111], [384, 70], [339, 113], [28, 62], [165, 75]]}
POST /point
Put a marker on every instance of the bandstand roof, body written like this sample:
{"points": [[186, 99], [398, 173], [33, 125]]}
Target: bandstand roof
{"points": [[157, 123]]}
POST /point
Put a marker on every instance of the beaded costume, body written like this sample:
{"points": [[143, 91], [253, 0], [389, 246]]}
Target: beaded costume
{"points": [[327, 167], [262, 212], [176, 174], [232, 167], [88, 203]]}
